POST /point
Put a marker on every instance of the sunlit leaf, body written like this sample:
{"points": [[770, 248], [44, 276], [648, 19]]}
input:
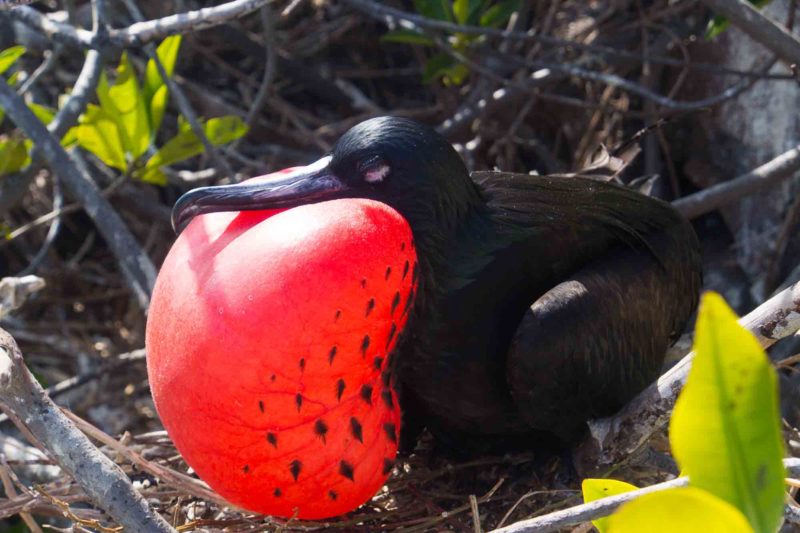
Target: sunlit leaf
{"points": [[43, 113], [14, 156], [98, 133], [595, 489], [184, 145], [725, 429], [128, 99], [684, 510], [156, 93], [407, 37], [498, 14], [9, 56]]}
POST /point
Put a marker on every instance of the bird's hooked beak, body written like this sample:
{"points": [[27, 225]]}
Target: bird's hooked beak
{"points": [[299, 186]]}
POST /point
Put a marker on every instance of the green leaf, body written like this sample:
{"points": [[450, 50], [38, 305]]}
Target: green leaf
{"points": [[408, 37], [185, 144], [437, 67], [595, 489], [99, 134], [43, 113], [687, 510], [725, 429], [14, 156], [128, 99], [464, 10], [9, 56], [719, 24], [155, 89], [498, 14], [434, 9]]}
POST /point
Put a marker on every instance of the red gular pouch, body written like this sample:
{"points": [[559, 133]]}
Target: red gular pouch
{"points": [[268, 341]]}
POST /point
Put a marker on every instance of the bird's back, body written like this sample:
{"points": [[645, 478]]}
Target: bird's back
{"points": [[534, 233]]}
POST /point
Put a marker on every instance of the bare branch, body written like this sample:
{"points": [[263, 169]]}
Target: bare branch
{"points": [[771, 172], [750, 20], [612, 440], [103, 481]]}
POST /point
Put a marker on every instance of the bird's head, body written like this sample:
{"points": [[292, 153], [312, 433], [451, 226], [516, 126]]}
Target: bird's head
{"points": [[396, 161]]}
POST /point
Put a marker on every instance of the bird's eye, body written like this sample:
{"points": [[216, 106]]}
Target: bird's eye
{"points": [[375, 171]]}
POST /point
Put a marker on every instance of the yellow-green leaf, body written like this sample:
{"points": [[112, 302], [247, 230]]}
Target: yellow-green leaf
{"points": [[185, 144], [98, 133], [43, 113], [595, 489], [14, 156], [684, 510], [725, 429], [465, 10], [155, 89], [128, 100], [9, 56]]}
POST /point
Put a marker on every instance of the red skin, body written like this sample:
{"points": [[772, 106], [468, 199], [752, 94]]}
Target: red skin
{"points": [[245, 313]]}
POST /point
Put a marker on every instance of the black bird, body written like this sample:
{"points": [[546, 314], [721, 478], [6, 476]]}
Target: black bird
{"points": [[543, 301]]}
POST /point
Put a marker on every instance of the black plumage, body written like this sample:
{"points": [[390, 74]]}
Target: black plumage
{"points": [[543, 301]]}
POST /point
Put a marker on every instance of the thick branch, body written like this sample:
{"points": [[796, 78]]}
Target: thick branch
{"points": [[613, 439], [783, 43], [104, 482]]}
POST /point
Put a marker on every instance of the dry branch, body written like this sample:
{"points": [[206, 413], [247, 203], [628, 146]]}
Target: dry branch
{"points": [[614, 439], [103, 481], [750, 20]]}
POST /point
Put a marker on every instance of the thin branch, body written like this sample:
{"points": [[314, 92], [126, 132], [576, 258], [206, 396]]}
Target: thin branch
{"points": [[768, 174], [614, 439], [750, 20], [103, 481], [605, 506]]}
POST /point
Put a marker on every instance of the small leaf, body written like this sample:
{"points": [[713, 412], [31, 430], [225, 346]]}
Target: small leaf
{"points": [[437, 67], [408, 37], [184, 145], [155, 90], [43, 113], [14, 156], [595, 489], [434, 9], [98, 133], [725, 429], [128, 99], [9, 56], [688, 510], [498, 14]]}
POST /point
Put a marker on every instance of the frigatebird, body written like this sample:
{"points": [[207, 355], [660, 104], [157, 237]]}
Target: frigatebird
{"points": [[540, 301]]}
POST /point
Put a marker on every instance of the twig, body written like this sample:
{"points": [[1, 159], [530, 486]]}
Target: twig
{"points": [[137, 267], [606, 506], [15, 291], [612, 440], [783, 43], [103, 481], [707, 200]]}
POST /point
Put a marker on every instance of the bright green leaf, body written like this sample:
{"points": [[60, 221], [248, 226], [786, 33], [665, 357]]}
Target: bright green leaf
{"points": [[98, 133], [155, 89], [43, 113], [684, 510], [407, 37], [595, 489], [14, 156], [725, 429], [9, 56], [434, 9], [184, 145], [128, 99], [498, 14]]}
